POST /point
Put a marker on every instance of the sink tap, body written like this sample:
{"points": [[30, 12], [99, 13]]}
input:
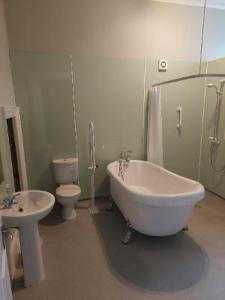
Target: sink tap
{"points": [[9, 200]]}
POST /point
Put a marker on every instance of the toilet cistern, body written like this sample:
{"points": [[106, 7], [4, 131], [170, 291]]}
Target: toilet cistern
{"points": [[65, 173]]}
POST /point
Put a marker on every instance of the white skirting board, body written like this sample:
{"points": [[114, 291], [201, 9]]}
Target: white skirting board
{"points": [[5, 285]]}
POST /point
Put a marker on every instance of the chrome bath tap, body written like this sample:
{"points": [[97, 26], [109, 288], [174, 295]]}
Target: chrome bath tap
{"points": [[124, 161]]}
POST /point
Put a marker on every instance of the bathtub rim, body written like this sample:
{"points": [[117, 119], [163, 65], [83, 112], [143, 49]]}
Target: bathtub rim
{"points": [[175, 199]]}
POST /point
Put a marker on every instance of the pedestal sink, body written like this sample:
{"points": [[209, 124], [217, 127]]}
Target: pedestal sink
{"points": [[32, 206]]}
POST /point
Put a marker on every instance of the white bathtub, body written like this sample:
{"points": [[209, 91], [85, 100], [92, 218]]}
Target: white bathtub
{"points": [[155, 201]]}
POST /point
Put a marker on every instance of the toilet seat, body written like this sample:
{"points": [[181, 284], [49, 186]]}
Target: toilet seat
{"points": [[68, 190]]}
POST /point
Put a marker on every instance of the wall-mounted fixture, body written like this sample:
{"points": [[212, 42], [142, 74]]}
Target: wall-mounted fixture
{"points": [[219, 98], [162, 65], [180, 118], [215, 140]]}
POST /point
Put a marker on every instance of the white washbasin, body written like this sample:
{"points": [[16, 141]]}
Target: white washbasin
{"points": [[32, 206]]}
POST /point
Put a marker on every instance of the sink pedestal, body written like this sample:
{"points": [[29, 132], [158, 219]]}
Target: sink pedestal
{"points": [[31, 254], [31, 207]]}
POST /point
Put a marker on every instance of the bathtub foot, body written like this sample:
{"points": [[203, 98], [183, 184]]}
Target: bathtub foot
{"points": [[111, 205], [185, 228], [128, 236]]}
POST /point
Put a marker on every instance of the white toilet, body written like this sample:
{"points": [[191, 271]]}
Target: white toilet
{"points": [[65, 172]]}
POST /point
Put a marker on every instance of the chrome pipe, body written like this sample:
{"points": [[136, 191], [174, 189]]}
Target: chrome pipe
{"points": [[93, 209]]}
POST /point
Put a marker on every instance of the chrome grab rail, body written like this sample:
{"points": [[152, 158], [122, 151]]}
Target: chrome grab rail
{"points": [[93, 209]]}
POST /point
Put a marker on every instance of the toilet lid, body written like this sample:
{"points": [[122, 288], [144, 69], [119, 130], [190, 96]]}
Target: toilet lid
{"points": [[68, 190]]}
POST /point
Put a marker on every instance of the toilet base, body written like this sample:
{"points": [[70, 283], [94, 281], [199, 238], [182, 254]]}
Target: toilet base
{"points": [[68, 213]]}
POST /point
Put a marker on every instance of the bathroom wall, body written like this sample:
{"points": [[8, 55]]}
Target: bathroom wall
{"points": [[214, 181], [109, 92], [115, 48], [7, 96], [112, 92], [214, 43], [181, 149], [44, 94], [105, 28]]}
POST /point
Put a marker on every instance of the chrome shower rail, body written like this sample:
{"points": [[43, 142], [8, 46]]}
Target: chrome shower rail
{"points": [[188, 77]]}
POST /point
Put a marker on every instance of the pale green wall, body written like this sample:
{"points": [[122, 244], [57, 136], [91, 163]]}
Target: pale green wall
{"points": [[181, 151], [110, 92], [214, 181], [43, 92]]}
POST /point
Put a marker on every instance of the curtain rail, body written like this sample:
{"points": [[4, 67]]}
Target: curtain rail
{"points": [[188, 77]]}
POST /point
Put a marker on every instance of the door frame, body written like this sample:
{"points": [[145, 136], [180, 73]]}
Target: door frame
{"points": [[12, 112]]}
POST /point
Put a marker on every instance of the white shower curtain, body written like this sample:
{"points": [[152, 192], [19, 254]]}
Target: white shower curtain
{"points": [[154, 134]]}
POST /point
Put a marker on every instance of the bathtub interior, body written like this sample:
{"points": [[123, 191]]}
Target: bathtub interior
{"points": [[148, 178], [155, 216]]}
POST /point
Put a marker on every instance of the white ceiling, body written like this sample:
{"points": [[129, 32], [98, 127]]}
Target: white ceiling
{"points": [[220, 4]]}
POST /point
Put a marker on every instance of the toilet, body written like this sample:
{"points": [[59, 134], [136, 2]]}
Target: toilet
{"points": [[65, 173]]}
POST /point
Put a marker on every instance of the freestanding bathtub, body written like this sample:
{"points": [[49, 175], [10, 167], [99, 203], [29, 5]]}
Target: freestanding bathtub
{"points": [[152, 199]]}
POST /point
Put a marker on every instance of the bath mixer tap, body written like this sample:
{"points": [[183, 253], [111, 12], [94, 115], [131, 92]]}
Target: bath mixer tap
{"points": [[124, 161]]}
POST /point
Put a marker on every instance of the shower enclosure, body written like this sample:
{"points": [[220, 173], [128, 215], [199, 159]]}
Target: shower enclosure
{"points": [[215, 139]]}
